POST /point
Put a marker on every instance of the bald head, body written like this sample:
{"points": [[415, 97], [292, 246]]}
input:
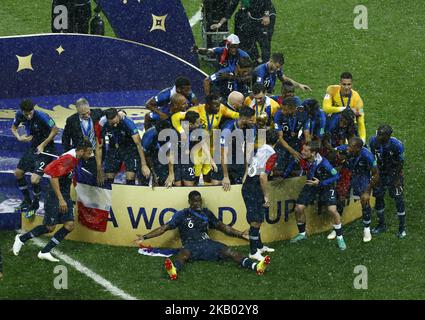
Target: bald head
{"points": [[178, 103], [235, 99]]}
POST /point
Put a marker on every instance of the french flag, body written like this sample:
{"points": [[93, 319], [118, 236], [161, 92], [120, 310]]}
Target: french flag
{"points": [[156, 252], [93, 202]]}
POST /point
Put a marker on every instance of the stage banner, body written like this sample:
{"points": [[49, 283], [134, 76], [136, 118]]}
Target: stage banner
{"points": [[138, 210], [42, 66], [159, 23]]}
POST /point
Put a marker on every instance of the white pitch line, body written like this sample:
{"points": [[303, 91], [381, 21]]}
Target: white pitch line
{"points": [[196, 18], [87, 272]]}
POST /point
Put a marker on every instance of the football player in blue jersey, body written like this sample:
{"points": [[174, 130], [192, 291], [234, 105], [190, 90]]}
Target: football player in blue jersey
{"points": [[255, 192], [321, 179], [124, 147], [235, 145], [315, 120], [288, 123], [226, 56], [189, 143], [163, 174], [159, 105], [231, 78], [58, 206], [267, 74], [287, 91], [40, 132], [193, 224], [389, 153], [340, 128], [364, 177]]}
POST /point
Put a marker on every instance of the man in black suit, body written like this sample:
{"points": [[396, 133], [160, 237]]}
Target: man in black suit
{"points": [[80, 127]]}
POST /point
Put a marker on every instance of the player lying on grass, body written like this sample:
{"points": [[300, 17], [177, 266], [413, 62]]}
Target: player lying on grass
{"points": [[193, 224]]}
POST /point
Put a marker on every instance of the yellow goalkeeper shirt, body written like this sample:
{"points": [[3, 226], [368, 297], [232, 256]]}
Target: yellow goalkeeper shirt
{"points": [[334, 102], [208, 121]]}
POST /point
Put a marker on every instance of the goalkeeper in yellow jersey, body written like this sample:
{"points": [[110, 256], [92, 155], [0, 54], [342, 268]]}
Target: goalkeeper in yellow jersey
{"points": [[211, 114], [339, 97]]}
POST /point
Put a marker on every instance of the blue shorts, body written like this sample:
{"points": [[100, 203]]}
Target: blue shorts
{"points": [[116, 156], [254, 199], [186, 172], [235, 171], [217, 175], [52, 216], [308, 195], [161, 171], [35, 163], [359, 183], [387, 182], [208, 250]]}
